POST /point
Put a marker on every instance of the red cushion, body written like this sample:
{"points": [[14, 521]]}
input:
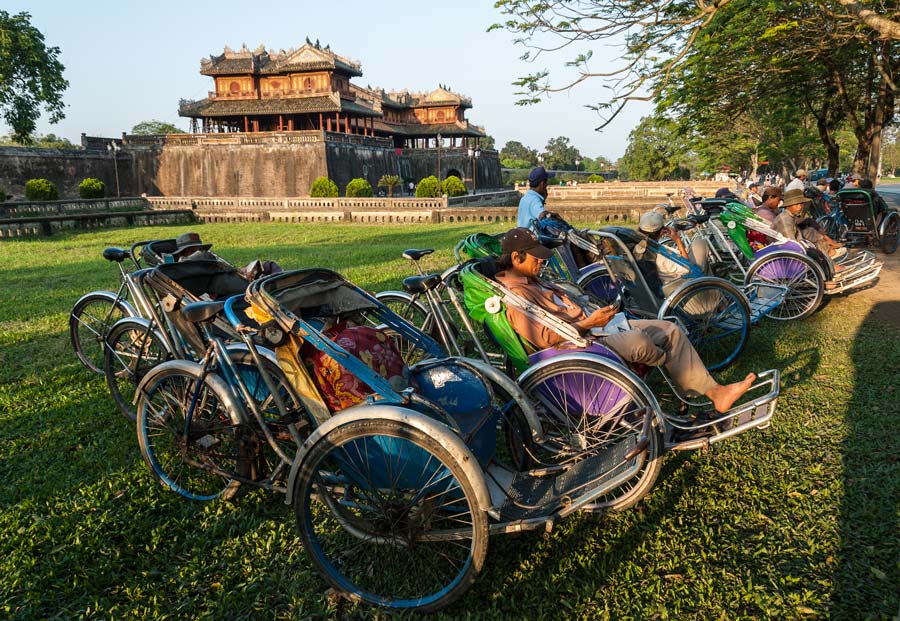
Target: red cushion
{"points": [[340, 388]]}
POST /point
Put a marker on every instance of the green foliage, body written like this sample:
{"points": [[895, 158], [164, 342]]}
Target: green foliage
{"points": [[453, 186], [31, 76], [596, 179], [487, 143], [150, 128], [514, 154], [49, 141], [429, 187], [560, 155], [91, 188], [655, 151], [323, 187], [358, 188], [41, 190], [3, 195], [390, 182]]}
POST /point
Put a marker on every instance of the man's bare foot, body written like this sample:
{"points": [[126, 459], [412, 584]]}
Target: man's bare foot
{"points": [[723, 397]]}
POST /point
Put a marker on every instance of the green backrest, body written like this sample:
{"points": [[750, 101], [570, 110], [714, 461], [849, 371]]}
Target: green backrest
{"points": [[476, 290], [479, 245]]}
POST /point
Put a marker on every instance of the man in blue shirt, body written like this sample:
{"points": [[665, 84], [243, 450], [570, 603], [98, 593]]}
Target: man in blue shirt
{"points": [[531, 206]]}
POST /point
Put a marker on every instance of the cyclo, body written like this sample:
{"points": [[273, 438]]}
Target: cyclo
{"points": [[773, 259], [396, 493]]}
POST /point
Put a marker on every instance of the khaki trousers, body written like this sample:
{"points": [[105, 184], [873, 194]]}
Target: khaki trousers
{"points": [[656, 343]]}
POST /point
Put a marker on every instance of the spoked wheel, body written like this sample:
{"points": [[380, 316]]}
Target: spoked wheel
{"points": [[388, 516], [90, 321], [890, 233], [601, 286], [585, 407], [803, 278], [133, 348], [416, 313], [194, 451], [717, 318], [288, 428]]}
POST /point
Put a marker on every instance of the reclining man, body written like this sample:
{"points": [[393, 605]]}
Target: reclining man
{"points": [[653, 343], [670, 272], [794, 225]]}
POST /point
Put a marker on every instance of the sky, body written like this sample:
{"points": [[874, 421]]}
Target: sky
{"points": [[129, 61]]}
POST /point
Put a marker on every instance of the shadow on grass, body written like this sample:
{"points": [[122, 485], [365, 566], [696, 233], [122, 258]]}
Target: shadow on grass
{"points": [[867, 577]]}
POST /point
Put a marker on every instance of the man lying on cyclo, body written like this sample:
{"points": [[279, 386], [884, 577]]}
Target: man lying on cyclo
{"points": [[652, 343]]}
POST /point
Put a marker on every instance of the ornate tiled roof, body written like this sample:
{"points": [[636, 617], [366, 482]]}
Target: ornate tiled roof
{"points": [[259, 61], [299, 105], [416, 129]]}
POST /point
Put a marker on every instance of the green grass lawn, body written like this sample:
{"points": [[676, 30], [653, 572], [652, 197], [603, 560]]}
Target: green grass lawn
{"points": [[798, 521]]}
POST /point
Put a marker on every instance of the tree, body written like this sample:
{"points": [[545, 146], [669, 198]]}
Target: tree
{"points": [[323, 187], [560, 155], [487, 142], [429, 187], [50, 141], [390, 182], [31, 76], [358, 188], [150, 128], [654, 151], [514, 154], [453, 186]]}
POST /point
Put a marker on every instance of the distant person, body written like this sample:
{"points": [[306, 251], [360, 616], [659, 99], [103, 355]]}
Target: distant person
{"points": [[531, 206], [411, 188], [189, 247], [868, 187], [768, 208], [754, 199], [788, 223], [798, 182]]}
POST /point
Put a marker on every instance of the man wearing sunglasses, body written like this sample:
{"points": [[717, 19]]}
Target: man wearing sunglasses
{"points": [[653, 343]]}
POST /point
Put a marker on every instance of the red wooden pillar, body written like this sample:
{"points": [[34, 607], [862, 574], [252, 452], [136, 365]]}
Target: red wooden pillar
{"points": [[246, 124], [329, 123], [321, 125]]}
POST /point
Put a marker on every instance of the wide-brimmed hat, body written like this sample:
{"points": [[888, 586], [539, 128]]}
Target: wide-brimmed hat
{"points": [[190, 240], [651, 222], [794, 197], [523, 240]]}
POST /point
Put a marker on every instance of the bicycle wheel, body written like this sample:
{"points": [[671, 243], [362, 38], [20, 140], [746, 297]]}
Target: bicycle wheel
{"points": [[194, 451], [717, 318], [415, 312], [388, 516], [803, 278], [585, 407], [601, 286], [890, 233], [269, 464], [133, 348], [90, 321]]}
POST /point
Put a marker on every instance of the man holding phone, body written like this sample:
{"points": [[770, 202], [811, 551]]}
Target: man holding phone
{"points": [[649, 342]]}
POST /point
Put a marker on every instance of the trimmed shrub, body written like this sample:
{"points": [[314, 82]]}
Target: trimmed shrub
{"points": [[429, 187], [323, 187], [596, 179], [453, 186], [91, 188], [358, 187], [41, 190]]}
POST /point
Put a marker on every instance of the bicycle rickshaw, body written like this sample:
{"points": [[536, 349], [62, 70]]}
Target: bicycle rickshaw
{"points": [[714, 312], [772, 259], [866, 220]]}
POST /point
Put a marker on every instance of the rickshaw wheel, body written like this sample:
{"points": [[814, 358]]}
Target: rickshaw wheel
{"points": [[196, 459], [717, 317], [388, 516], [802, 276], [890, 239], [131, 351], [585, 407], [90, 321]]}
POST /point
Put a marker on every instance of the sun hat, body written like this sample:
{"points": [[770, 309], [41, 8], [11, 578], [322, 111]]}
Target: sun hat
{"points": [[724, 193], [651, 222], [539, 174], [189, 240], [523, 240], [794, 197]]}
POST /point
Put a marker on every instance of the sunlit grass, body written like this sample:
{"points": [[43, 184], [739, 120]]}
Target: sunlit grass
{"points": [[797, 521]]}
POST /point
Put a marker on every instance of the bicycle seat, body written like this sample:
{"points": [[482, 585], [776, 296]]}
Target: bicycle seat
{"points": [[414, 254], [421, 284], [197, 312], [698, 218], [696, 199], [713, 206], [670, 209], [550, 241], [683, 224], [115, 254]]}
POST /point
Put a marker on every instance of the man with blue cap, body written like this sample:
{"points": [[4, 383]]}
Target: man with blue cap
{"points": [[531, 206]]}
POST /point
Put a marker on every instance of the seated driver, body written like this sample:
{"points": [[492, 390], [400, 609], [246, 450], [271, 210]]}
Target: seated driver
{"points": [[789, 223], [653, 343], [653, 226]]}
